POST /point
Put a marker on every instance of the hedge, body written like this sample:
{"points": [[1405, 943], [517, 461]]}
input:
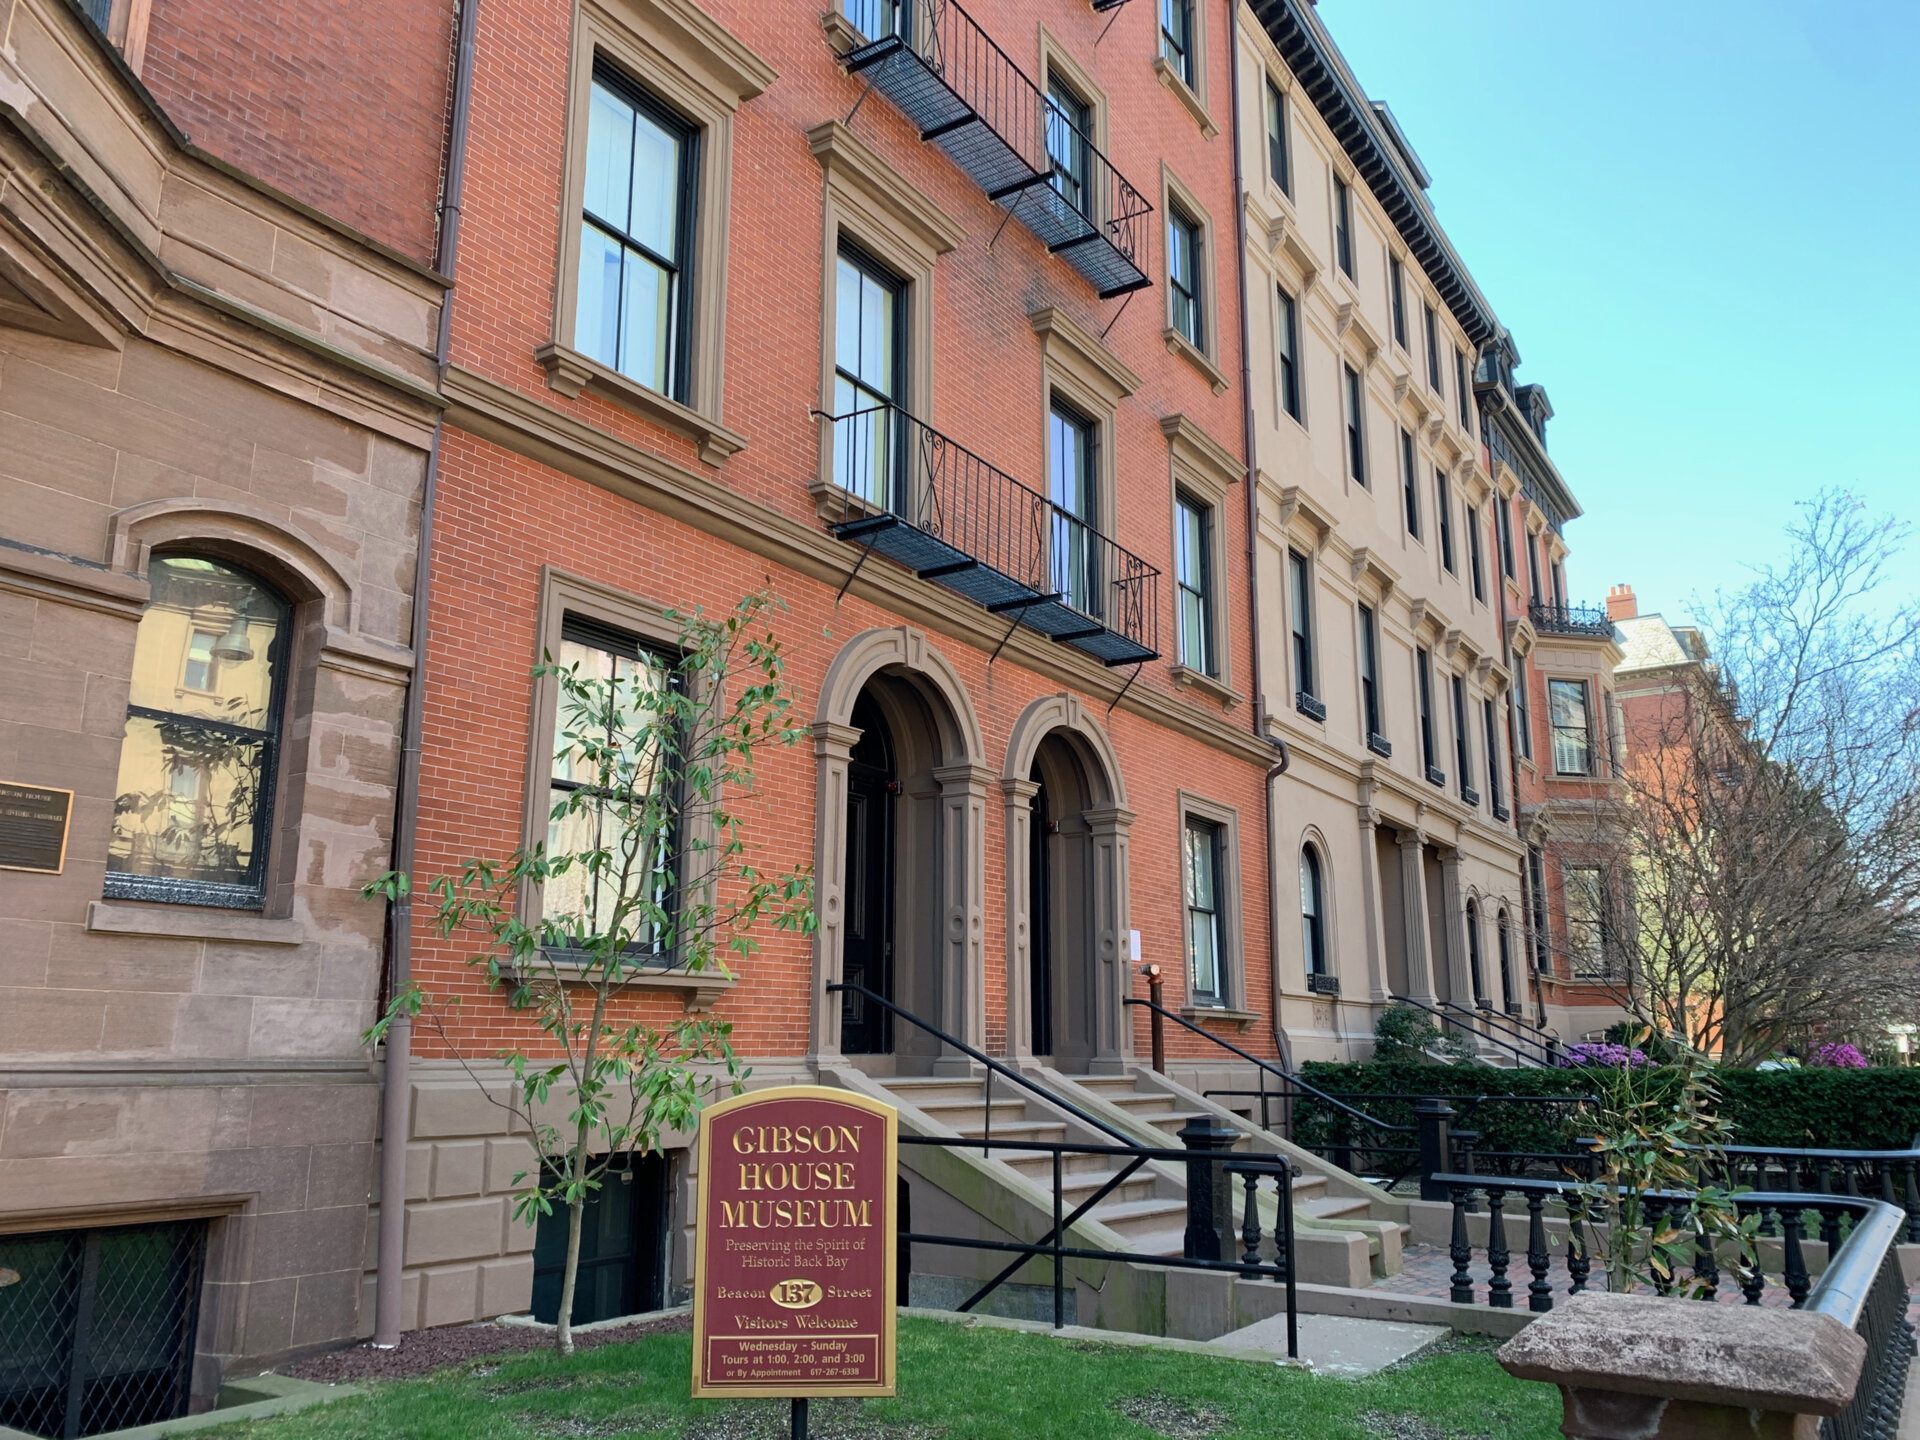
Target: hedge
{"points": [[1877, 1109]]}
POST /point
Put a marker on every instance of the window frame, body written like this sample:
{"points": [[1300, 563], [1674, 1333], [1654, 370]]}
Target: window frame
{"points": [[1343, 246], [1476, 557], [1429, 726], [1397, 299], [1063, 413], [1503, 527], [1599, 923], [898, 498], [1433, 347], [1181, 56], [1372, 713], [1224, 822], [1300, 584], [256, 891], [1191, 290], [1464, 397], [1443, 507], [1557, 685], [1537, 920], [1410, 482], [1287, 355], [1202, 594], [1354, 401], [1279, 140], [1495, 795], [1462, 740], [1522, 706], [1474, 968], [1313, 922]]}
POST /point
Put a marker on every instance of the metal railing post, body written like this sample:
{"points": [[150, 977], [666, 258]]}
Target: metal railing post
{"points": [[1433, 1117], [1209, 1197], [1156, 992]]}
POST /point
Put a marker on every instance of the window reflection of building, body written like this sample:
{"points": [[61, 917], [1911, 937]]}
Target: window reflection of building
{"points": [[197, 762]]}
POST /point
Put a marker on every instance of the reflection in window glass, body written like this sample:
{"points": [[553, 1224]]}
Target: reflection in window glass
{"points": [[1069, 121], [1176, 37], [1572, 730], [203, 714], [875, 19], [1193, 580], [1202, 885], [1183, 278], [867, 380], [1313, 925], [1070, 476], [633, 240]]}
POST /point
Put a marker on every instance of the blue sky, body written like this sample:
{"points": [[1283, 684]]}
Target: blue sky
{"points": [[1700, 220]]}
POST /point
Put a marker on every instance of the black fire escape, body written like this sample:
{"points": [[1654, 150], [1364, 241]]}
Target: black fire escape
{"points": [[972, 101]]}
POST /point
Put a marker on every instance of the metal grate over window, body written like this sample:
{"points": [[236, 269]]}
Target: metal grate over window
{"points": [[97, 1327]]}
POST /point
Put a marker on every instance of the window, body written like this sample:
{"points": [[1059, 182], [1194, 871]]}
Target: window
{"points": [[1313, 922], [1205, 932], [1463, 392], [1279, 154], [1587, 929], [1494, 795], [1429, 741], [1537, 900], [877, 19], [1192, 570], [1473, 954], [1176, 38], [1070, 482], [869, 377], [1370, 675], [633, 305], [630, 676], [193, 804], [1443, 501], [1397, 299], [1505, 932], [1558, 578], [1300, 575], [1356, 426], [1474, 561], [1523, 728], [1572, 727], [1343, 226], [1503, 514], [1533, 567], [1183, 277], [1462, 747], [1409, 486], [1069, 122], [1433, 351], [1289, 355]]}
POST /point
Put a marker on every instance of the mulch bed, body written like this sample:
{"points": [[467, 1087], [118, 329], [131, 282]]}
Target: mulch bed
{"points": [[421, 1352]]}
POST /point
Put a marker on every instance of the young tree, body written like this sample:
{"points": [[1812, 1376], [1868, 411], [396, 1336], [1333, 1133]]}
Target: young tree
{"points": [[1770, 835], [645, 866]]}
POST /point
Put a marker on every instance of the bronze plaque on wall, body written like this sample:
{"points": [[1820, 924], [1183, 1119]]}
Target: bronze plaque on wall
{"points": [[33, 827]]}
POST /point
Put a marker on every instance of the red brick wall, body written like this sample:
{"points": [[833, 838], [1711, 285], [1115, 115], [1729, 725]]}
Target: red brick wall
{"points": [[502, 517], [340, 104]]}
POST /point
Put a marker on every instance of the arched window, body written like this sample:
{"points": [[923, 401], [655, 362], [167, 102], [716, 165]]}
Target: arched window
{"points": [[193, 805], [1313, 915], [1473, 953], [1506, 963]]}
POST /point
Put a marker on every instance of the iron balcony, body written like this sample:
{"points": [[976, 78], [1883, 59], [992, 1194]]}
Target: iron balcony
{"points": [[966, 96], [910, 493], [1586, 620]]}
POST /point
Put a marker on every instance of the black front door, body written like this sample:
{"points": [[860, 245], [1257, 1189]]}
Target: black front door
{"points": [[867, 946], [623, 1246], [1040, 920]]}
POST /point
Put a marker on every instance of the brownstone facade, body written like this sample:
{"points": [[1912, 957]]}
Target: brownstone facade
{"points": [[199, 377]]}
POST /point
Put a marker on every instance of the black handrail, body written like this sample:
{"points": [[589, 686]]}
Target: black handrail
{"points": [[992, 1064], [1444, 1018], [1268, 1066], [1518, 1030]]}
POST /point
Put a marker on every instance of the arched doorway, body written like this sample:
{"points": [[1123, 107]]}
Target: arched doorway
{"points": [[1067, 823], [899, 865]]}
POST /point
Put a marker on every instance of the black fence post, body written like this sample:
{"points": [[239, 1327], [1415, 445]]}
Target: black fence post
{"points": [[1433, 1117], [1209, 1193]]}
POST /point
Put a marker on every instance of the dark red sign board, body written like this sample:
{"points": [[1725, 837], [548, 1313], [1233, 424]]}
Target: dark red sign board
{"points": [[793, 1288]]}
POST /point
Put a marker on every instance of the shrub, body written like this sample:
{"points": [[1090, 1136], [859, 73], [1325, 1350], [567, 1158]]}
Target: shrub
{"points": [[1606, 1053], [1405, 1035], [1824, 1108], [1838, 1057]]}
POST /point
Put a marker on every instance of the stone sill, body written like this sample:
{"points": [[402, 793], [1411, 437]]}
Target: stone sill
{"points": [[1200, 1014], [697, 991], [1178, 344], [1183, 92], [570, 372], [189, 922], [1191, 679]]}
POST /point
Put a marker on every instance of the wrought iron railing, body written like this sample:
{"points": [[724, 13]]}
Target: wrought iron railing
{"points": [[1589, 620], [969, 98], [904, 489]]}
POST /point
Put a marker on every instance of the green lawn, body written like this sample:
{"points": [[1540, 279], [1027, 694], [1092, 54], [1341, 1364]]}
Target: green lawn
{"points": [[954, 1384]]}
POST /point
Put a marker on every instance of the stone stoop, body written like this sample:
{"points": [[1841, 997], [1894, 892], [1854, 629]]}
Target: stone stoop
{"points": [[1328, 1203]]}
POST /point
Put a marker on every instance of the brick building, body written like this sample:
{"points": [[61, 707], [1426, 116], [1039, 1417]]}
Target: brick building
{"points": [[217, 399], [1057, 717]]}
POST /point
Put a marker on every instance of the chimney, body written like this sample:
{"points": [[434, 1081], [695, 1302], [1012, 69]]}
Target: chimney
{"points": [[1621, 604]]}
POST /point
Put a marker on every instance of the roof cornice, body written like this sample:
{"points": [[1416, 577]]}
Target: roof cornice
{"points": [[1316, 62]]}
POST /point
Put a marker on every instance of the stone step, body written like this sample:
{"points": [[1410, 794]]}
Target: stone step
{"points": [[1142, 1217], [1329, 1207], [1049, 1130]]}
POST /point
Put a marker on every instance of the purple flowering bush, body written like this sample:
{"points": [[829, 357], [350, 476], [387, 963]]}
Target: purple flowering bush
{"points": [[1619, 1057], [1838, 1057]]}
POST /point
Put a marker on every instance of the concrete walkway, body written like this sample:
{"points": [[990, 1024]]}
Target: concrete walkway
{"points": [[1329, 1344], [1339, 1344]]}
